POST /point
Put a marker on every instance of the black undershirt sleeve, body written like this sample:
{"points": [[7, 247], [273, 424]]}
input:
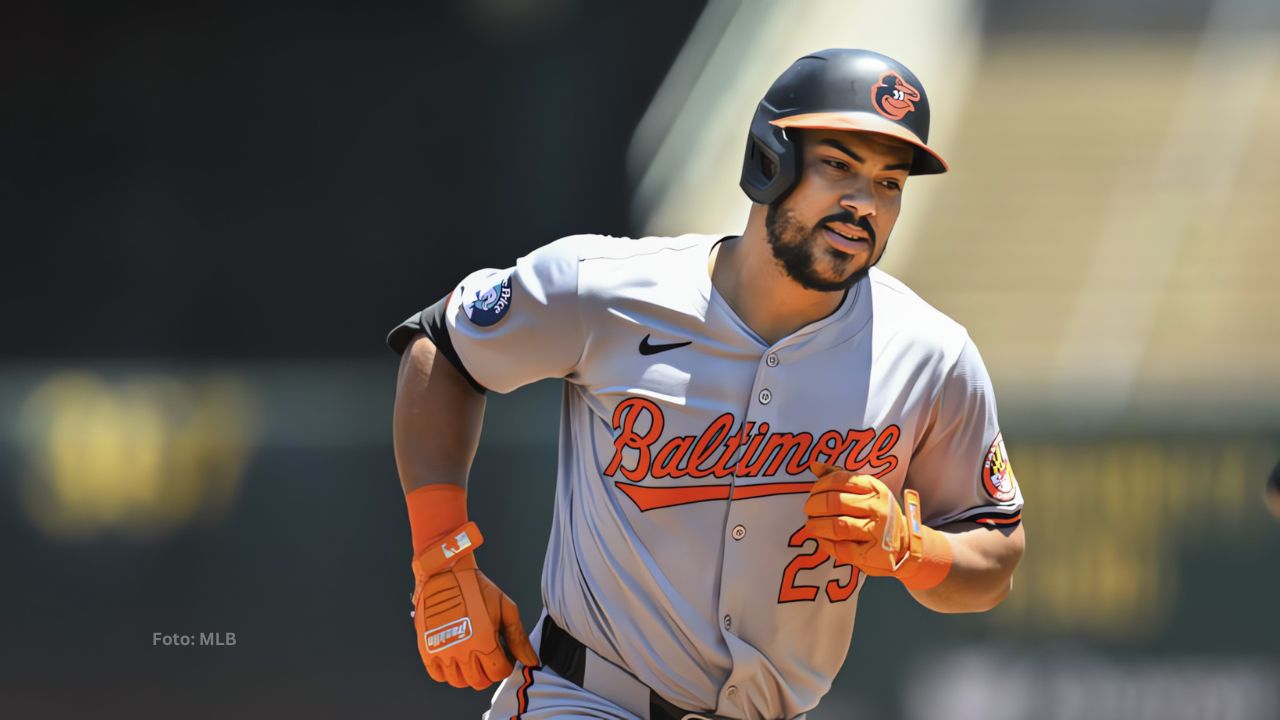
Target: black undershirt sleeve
{"points": [[431, 322]]}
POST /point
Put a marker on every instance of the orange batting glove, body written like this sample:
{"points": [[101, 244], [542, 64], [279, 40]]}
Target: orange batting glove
{"points": [[857, 520], [458, 613]]}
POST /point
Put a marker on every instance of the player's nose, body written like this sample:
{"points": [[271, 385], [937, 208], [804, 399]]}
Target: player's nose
{"points": [[859, 200]]}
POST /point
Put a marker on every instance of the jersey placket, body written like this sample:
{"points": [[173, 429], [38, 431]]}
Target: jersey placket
{"points": [[737, 535]]}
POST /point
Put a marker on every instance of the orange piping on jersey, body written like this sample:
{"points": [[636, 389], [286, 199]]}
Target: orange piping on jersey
{"points": [[1000, 521], [522, 695]]}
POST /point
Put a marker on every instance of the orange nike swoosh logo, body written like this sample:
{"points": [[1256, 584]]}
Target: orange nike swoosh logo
{"points": [[653, 498]]}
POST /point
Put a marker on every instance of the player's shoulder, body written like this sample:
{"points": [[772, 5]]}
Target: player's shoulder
{"points": [[560, 261], [625, 267], [606, 249], [902, 313], [602, 269]]}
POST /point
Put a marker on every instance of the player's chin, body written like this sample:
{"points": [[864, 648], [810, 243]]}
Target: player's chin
{"points": [[844, 268], [834, 280]]}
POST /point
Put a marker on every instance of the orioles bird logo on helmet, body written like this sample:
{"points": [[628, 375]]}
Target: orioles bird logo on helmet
{"points": [[894, 97]]}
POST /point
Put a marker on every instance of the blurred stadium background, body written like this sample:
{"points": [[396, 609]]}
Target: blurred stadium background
{"points": [[212, 215]]}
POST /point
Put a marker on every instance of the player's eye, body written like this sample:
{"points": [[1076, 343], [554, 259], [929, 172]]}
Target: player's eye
{"points": [[837, 164], [892, 184]]}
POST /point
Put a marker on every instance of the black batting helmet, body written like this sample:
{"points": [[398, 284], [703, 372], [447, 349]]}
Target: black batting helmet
{"points": [[837, 89]]}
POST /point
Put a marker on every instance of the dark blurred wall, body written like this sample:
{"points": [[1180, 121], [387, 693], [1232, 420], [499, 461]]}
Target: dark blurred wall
{"points": [[187, 187], [258, 179]]}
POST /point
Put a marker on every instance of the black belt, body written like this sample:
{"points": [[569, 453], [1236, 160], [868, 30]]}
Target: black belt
{"points": [[562, 652]]}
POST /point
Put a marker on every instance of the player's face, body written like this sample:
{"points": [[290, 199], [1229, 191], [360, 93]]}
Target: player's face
{"points": [[836, 222]]}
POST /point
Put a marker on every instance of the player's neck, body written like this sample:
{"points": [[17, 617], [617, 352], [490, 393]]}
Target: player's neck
{"points": [[752, 282]]}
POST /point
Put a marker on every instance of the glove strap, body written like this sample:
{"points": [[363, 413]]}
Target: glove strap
{"points": [[928, 550], [915, 528], [448, 550]]}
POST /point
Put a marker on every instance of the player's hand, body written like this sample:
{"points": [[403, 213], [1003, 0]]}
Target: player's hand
{"points": [[460, 616], [857, 520]]}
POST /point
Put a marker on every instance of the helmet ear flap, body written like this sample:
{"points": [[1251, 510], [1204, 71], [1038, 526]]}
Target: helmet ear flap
{"points": [[770, 164], [765, 164]]}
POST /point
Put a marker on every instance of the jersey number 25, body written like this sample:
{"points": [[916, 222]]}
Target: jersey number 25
{"points": [[792, 591]]}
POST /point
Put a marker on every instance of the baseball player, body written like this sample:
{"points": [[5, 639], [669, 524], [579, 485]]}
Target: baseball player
{"points": [[751, 427]]}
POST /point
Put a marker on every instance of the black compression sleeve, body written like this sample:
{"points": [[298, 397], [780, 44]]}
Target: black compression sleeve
{"points": [[431, 322]]}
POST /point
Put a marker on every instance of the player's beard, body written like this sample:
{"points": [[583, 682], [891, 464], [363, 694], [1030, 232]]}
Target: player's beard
{"points": [[795, 247]]}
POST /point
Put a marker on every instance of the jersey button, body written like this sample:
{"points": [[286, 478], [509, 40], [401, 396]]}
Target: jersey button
{"points": [[732, 690], [771, 360], [739, 532], [728, 622], [765, 396]]}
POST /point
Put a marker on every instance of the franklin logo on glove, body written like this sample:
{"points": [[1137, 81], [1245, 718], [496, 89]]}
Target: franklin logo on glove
{"points": [[448, 635]]}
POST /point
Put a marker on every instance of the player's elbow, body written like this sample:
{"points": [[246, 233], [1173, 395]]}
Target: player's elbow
{"points": [[418, 357], [983, 599], [1001, 592], [1012, 548], [1003, 557], [962, 601]]}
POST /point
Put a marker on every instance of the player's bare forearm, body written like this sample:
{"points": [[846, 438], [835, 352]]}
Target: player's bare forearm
{"points": [[982, 564], [437, 419], [436, 428]]}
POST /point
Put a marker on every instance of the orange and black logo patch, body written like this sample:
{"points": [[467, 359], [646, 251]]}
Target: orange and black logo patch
{"points": [[894, 97], [997, 473]]}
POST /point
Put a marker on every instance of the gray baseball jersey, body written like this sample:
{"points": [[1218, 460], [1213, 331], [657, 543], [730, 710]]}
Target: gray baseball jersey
{"points": [[677, 550]]}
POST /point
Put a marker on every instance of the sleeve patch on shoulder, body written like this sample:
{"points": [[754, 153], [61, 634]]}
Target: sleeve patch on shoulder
{"points": [[997, 472], [488, 304]]}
